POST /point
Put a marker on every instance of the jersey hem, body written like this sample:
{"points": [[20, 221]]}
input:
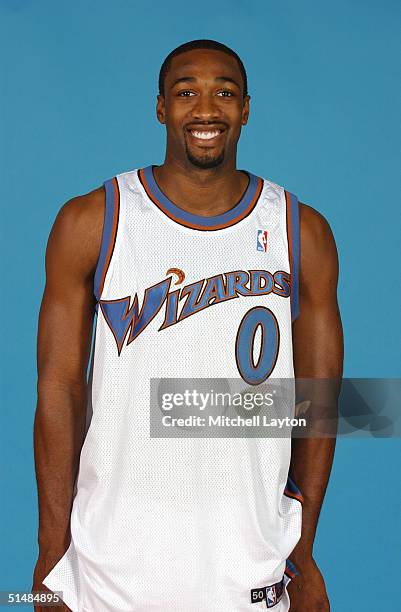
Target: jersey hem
{"points": [[70, 600]]}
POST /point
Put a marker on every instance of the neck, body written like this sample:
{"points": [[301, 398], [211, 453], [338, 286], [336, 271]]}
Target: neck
{"points": [[205, 192]]}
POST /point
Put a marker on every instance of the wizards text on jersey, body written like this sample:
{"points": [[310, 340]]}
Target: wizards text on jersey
{"points": [[188, 300]]}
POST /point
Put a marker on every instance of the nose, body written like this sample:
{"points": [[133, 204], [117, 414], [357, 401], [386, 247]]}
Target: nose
{"points": [[205, 108]]}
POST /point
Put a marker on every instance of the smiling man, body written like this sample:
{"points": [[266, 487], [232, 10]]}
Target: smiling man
{"points": [[195, 270]]}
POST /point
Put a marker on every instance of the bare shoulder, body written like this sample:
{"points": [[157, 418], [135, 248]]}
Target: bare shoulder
{"points": [[316, 236], [314, 226], [82, 214], [77, 231], [318, 256]]}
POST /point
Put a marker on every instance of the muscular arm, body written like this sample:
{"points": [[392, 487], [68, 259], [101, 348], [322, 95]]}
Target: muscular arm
{"points": [[318, 354], [64, 340]]}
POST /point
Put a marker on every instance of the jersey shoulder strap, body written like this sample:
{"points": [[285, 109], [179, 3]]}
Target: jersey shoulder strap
{"points": [[293, 238], [110, 227]]}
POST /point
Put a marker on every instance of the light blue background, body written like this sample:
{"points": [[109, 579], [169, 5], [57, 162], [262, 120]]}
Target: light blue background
{"points": [[77, 106]]}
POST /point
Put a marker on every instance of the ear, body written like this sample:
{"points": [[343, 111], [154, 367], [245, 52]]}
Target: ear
{"points": [[245, 110], [161, 109]]}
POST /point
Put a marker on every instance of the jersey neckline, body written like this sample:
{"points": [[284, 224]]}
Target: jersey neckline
{"points": [[215, 222]]}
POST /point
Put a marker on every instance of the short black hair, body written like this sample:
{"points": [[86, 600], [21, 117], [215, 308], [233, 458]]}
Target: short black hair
{"points": [[200, 44]]}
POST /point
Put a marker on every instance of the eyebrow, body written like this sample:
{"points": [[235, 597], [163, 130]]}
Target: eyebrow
{"points": [[189, 79]]}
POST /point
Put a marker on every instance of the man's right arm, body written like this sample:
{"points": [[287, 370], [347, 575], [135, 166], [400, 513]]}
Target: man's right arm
{"points": [[64, 342]]}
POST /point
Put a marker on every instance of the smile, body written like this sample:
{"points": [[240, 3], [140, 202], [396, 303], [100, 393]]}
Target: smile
{"points": [[205, 134]]}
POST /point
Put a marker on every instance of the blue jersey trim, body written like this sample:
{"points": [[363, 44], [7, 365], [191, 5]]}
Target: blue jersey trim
{"points": [[292, 489], [294, 237], [227, 218], [108, 235], [291, 569]]}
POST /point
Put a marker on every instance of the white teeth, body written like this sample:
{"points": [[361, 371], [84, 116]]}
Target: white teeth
{"points": [[205, 135]]}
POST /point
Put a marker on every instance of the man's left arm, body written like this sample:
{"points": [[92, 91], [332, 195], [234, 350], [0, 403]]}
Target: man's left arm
{"points": [[318, 364]]}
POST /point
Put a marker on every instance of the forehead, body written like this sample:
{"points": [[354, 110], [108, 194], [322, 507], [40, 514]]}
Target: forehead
{"points": [[203, 64]]}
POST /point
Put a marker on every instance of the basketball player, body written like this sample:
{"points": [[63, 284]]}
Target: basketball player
{"points": [[182, 263]]}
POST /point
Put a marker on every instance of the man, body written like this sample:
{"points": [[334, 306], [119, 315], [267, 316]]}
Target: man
{"points": [[131, 521]]}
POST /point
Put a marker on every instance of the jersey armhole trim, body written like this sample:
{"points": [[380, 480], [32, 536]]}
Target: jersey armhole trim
{"points": [[291, 490], [292, 217], [290, 569], [109, 234]]}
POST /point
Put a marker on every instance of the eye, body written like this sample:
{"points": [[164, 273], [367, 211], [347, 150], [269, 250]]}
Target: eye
{"points": [[226, 93], [186, 93]]}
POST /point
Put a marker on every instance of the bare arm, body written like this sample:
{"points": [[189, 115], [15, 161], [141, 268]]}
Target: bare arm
{"points": [[64, 340], [318, 354]]}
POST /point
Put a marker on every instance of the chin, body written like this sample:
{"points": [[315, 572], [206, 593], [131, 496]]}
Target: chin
{"points": [[206, 161]]}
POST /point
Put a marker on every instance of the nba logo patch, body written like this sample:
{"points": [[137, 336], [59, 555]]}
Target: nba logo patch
{"points": [[261, 240], [271, 596]]}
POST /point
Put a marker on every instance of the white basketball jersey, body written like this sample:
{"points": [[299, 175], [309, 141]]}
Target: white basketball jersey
{"points": [[182, 522]]}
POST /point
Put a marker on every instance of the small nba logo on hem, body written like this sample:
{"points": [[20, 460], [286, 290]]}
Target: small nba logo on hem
{"points": [[261, 240], [271, 596]]}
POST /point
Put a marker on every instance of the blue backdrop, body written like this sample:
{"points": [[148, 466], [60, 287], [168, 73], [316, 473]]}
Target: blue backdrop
{"points": [[78, 105]]}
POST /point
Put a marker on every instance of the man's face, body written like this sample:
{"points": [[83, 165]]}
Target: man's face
{"points": [[203, 107]]}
